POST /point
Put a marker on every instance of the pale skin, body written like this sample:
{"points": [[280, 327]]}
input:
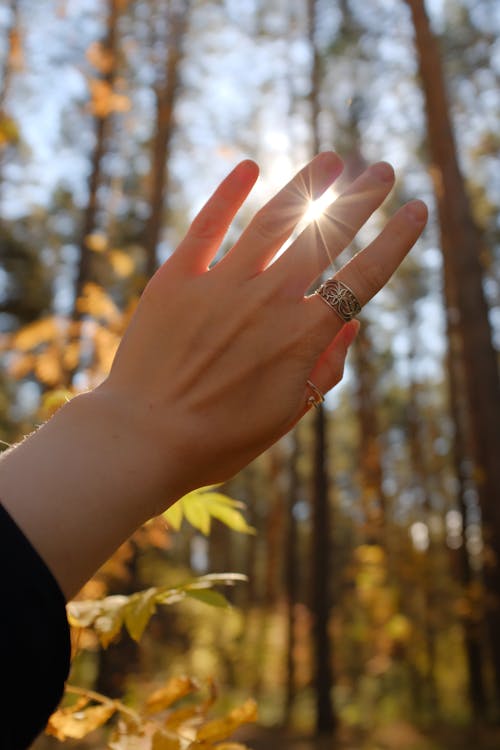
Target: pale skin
{"points": [[212, 370]]}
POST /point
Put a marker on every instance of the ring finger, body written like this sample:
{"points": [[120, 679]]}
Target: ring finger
{"points": [[365, 274]]}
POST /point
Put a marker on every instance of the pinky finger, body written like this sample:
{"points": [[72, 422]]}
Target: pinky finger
{"points": [[329, 368]]}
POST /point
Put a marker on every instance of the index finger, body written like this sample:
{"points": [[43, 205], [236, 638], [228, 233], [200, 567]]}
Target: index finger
{"points": [[209, 227]]}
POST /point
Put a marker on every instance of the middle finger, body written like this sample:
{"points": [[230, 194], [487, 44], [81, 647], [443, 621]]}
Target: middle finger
{"points": [[322, 240], [274, 223]]}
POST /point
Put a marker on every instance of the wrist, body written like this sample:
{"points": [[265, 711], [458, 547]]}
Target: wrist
{"points": [[82, 483]]}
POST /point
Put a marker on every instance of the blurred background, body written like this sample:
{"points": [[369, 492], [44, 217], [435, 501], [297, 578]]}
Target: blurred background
{"points": [[371, 615]]}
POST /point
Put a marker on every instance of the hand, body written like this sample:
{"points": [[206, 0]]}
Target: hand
{"points": [[211, 371], [215, 362]]}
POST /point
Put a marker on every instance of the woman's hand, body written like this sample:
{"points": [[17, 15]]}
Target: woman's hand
{"points": [[212, 370], [216, 360]]}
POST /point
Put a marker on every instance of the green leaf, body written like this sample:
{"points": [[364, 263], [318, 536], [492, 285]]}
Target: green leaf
{"points": [[139, 610], [173, 515], [209, 596], [226, 579]]}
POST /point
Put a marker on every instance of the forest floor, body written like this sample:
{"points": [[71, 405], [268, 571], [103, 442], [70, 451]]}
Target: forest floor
{"points": [[395, 736]]}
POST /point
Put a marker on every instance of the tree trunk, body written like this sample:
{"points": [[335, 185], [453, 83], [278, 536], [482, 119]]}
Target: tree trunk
{"points": [[291, 574], [472, 623], [419, 478], [461, 247], [370, 459], [165, 90], [102, 121], [102, 109], [326, 721], [320, 590], [6, 72]]}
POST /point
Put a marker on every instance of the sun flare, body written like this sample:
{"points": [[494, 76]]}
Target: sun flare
{"points": [[315, 209]]}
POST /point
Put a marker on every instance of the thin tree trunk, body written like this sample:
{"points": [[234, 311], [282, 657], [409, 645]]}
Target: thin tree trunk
{"points": [[165, 90], [274, 528], [419, 473], [291, 574], [461, 247], [326, 721], [102, 122], [320, 585], [472, 625], [370, 459], [7, 71]]}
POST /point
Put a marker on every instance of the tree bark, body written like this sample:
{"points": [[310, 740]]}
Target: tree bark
{"points": [[326, 721], [165, 90], [102, 121], [465, 300], [6, 73], [291, 573]]}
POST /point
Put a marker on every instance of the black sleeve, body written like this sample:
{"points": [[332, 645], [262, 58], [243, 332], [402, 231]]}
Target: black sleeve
{"points": [[34, 639]]}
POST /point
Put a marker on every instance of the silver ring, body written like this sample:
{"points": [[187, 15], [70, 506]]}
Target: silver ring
{"points": [[340, 298], [317, 398]]}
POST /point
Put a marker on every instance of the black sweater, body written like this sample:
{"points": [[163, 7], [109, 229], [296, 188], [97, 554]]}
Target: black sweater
{"points": [[34, 639]]}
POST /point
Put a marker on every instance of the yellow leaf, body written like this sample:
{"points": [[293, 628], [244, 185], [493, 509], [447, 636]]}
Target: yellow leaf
{"points": [[77, 724], [176, 688], [139, 611], [94, 301], [173, 516], [48, 366], [101, 58], [121, 263], [21, 365], [231, 746], [39, 332], [370, 554], [53, 400], [220, 729], [181, 716], [97, 242], [196, 512], [162, 741], [208, 596], [86, 614], [9, 131], [71, 355], [225, 510]]}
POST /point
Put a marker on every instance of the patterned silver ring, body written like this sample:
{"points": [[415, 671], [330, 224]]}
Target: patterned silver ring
{"points": [[340, 298]]}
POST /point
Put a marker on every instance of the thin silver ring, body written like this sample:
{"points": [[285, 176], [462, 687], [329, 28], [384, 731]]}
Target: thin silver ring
{"points": [[340, 298], [317, 398]]}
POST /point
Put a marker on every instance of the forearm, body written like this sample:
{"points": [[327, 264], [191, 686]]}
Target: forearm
{"points": [[81, 484]]}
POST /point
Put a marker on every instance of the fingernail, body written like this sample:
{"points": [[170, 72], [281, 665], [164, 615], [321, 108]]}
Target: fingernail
{"points": [[383, 171], [417, 210]]}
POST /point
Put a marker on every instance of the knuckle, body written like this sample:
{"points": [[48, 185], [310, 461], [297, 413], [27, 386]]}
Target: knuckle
{"points": [[265, 226], [367, 279], [204, 227]]}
